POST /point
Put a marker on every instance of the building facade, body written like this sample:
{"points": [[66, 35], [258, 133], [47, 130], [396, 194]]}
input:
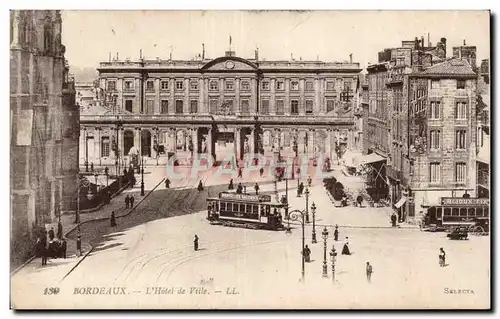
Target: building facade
{"points": [[44, 126], [157, 108], [402, 92]]}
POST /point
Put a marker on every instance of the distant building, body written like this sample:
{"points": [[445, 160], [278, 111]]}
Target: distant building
{"points": [[44, 129], [156, 108], [468, 53]]}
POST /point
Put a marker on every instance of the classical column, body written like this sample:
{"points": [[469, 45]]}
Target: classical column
{"points": [[251, 140], [253, 96], [53, 200], [201, 96], [208, 142], [174, 139], [328, 144], [272, 102], [287, 107], [97, 144], [194, 139], [310, 142], [187, 101], [152, 133], [139, 140], [317, 103], [121, 147], [237, 142], [157, 104], [171, 100], [15, 30], [237, 96], [302, 100]]}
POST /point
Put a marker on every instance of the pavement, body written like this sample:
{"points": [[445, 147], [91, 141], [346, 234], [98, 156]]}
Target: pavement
{"points": [[149, 257]]}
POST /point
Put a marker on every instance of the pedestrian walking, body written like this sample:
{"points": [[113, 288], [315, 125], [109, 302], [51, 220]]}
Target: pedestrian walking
{"points": [[200, 186], [309, 181], [51, 234], [442, 257], [231, 185], [124, 172], [91, 167], [261, 171], [132, 199], [240, 172], [41, 249], [167, 183], [345, 249], [239, 189], [336, 233], [127, 201], [195, 241], [256, 187], [59, 230], [393, 219], [112, 220], [307, 254], [369, 271], [301, 188]]}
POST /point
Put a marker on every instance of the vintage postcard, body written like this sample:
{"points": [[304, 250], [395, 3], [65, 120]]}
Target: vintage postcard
{"points": [[250, 159]]}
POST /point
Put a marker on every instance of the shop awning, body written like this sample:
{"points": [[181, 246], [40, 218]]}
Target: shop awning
{"points": [[401, 202], [370, 158]]}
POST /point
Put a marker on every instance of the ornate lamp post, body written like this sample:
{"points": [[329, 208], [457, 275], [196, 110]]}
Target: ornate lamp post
{"points": [[313, 210], [307, 205], [142, 175], [333, 256], [299, 215], [325, 267], [106, 171]]}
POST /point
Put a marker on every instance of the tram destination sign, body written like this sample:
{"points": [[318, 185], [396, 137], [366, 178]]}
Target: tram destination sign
{"points": [[458, 201], [239, 196]]}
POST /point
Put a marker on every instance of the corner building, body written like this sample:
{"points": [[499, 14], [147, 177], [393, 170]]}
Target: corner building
{"points": [[229, 104]]}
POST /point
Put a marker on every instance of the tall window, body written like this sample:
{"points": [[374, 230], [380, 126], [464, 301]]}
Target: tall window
{"points": [[194, 85], [280, 85], [245, 85], [294, 107], [245, 106], [179, 106], [229, 85], [460, 172], [227, 107], [213, 106], [164, 107], [264, 107], [128, 105], [330, 86], [150, 86], [164, 85], [347, 86], [435, 139], [461, 110], [460, 84], [129, 85], [435, 110], [435, 172], [330, 105], [105, 146], [193, 107], [214, 85], [111, 85], [280, 107], [309, 86], [434, 84], [460, 139], [150, 106], [309, 106], [265, 85], [295, 85]]}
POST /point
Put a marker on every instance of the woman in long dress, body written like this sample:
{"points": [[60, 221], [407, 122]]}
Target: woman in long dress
{"points": [[442, 257], [345, 250]]}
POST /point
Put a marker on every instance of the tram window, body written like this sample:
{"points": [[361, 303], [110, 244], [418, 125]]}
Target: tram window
{"points": [[262, 210], [255, 209], [223, 206], [268, 209], [229, 207], [216, 206], [432, 211], [463, 211], [472, 212], [486, 212], [447, 212], [439, 212], [454, 211]]}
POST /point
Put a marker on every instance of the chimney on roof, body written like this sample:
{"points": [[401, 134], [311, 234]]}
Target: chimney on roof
{"points": [[140, 54], [350, 58], [117, 59], [464, 43], [257, 54], [203, 51], [291, 56], [423, 45], [109, 56], [429, 39]]}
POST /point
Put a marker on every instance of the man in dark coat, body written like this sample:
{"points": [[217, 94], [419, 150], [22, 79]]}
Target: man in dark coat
{"points": [[132, 199], [112, 221], [51, 234], [59, 230], [261, 171], [336, 233], [307, 254], [41, 249], [240, 172], [200, 186], [345, 250], [167, 183], [195, 241], [393, 219], [231, 185], [239, 189], [256, 187], [369, 270], [127, 201]]}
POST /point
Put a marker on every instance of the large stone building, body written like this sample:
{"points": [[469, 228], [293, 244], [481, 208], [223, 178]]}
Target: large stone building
{"points": [[44, 126], [156, 108], [411, 129]]}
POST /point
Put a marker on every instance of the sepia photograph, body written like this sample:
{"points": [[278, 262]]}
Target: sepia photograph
{"points": [[250, 159]]}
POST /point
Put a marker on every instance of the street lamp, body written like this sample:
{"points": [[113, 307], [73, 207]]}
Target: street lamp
{"points": [[96, 176], [106, 171], [325, 267], [142, 176], [307, 205], [294, 215], [313, 210], [333, 256]]}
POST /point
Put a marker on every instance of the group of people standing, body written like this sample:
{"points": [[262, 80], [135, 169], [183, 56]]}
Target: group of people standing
{"points": [[54, 247], [129, 201]]}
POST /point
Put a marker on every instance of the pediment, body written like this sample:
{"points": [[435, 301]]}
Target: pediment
{"points": [[229, 64]]}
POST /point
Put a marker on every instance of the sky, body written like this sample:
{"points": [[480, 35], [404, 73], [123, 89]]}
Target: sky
{"points": [[89, 36]]}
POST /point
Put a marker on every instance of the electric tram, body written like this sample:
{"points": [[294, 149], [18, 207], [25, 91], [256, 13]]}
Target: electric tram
{"points": [[246, 211]]}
